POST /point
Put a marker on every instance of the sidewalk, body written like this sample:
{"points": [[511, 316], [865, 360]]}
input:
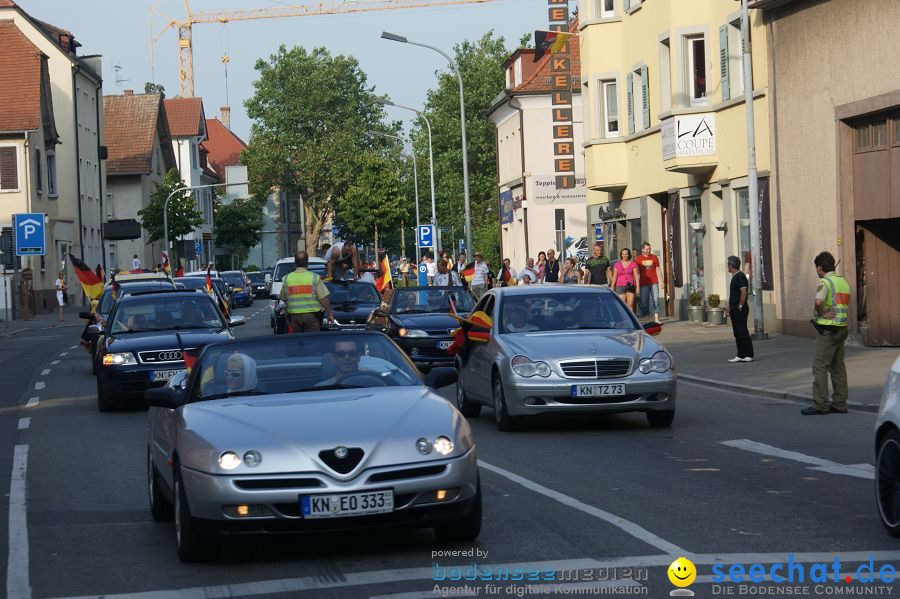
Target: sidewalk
{"points": [[41, 322], [782, 367]]}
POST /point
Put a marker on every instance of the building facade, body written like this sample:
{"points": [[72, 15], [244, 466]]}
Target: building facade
{"points": [[139, 155], [835, 124], [535, 216], [666, 138], [77, 188]]}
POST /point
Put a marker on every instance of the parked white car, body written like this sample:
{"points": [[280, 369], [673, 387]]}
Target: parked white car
{"points": [[887, 452]]}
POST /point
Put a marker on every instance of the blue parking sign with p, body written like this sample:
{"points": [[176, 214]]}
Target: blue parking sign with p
{"points": [[30, 234], [425, 235]]}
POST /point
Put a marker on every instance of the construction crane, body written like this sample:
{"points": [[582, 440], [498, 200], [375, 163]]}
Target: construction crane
{"points": [[305, 9]]}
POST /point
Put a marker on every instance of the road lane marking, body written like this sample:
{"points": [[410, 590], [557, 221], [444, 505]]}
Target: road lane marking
{"points": [[857, 470], [54, 362], [18, 585], [24, 423], [39, 385], [65, 353], [568, 588], [32, 401], [373, 577], [45, 372], [631, 528], [74, 347]]}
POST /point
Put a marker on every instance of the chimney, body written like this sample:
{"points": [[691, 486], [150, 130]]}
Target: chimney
{"points": [[129, 92], [226, 116]]}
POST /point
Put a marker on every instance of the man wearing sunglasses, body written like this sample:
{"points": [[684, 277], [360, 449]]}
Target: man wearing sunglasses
{"points": [[346, 356]]}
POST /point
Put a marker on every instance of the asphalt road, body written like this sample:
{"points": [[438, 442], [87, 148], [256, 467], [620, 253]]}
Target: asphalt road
{"points": [[604, 503]]}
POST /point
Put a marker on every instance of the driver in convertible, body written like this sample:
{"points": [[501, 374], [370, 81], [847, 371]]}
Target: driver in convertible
{"points": [[346, 363]]}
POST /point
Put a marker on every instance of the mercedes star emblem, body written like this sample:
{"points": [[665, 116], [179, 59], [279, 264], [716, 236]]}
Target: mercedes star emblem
{"points": [[593, 348], [341, 452]]}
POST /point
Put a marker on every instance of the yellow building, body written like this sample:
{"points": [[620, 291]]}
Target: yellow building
{"points": [[666, 138]]}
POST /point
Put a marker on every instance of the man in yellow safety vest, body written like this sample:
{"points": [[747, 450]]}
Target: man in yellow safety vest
{"points": [[832, 313], [305, 295]]}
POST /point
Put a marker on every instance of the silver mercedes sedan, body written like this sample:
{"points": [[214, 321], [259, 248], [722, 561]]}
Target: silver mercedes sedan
{"points": [[311, 432], [569, 349]]}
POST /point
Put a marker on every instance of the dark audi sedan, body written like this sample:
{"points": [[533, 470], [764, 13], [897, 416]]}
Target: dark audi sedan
{"points": [[418, 319], [352, 302], [140, 348]]}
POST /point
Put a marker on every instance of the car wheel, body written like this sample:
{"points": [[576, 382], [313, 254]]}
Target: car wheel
{"points": [[191, 545], [887, 481], [468, 408], [104, 401], [466, 528], [660, 419], [502, 419], [160, 507]]}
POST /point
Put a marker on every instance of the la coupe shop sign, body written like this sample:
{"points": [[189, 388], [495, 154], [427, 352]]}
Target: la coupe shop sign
{"points": [[689, 135]]}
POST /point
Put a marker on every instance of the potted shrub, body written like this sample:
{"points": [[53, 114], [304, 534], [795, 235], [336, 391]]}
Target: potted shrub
{"points": [[714, 314], [695, 309]]}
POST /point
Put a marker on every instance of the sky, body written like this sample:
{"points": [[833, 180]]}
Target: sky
{"points": [[119, 30]]}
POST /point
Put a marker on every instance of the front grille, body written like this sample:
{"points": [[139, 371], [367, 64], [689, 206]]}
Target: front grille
{"points": [[595, 369], [277, 483], [408, 473], [342, 466], [162, 356]]}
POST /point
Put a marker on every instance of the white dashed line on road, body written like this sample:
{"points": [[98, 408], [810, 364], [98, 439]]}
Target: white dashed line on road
{"points": [[627, 526], [54, 362], [45, 372], [24, 423], [39, 385], [65, 353], [74, 347], [33, 401], [866, 471], [18, 585]]}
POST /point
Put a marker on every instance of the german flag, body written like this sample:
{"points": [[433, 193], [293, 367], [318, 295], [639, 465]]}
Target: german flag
{"points": [[479, 327], [189, 358], [384, 280], [90, 282], [507, 278], [165, 263], [209, 280], [468, 272], [549, 41]]}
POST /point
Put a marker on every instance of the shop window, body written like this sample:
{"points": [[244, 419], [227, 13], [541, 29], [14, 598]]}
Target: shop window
{"points": [[694, 219]]}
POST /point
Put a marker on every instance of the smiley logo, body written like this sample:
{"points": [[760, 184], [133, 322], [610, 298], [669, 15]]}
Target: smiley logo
{"points": [[682, 572]]}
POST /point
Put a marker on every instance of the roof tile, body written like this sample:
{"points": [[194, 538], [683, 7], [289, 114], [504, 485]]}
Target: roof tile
{"points": [[129, 127], [20, 80], [184, 116], [540, 79], [224, 147]]}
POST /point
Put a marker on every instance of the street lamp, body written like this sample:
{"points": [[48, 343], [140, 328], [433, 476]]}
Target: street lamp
{"points": [[186, 188], [462, 115], [387, 102], [415, 185]]}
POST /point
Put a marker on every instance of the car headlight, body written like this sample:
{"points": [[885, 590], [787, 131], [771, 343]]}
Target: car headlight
{"points": [[229, 460], [120, 359], [252, 458], [412, 333], [443, 445], [423, 445], [660, 362], [525, 366]]}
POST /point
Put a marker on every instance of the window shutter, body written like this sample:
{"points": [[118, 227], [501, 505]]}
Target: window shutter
{"points": [[9, 168], [723, 62], [645, 96], [630, 102]]}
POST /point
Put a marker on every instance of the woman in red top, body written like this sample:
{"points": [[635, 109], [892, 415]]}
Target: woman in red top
{"points": [[626, 274]]}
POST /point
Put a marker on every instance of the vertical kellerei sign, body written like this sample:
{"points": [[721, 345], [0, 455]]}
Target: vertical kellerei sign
{"points": [[561, 86]]}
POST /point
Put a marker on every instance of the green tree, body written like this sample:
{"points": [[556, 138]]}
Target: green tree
{"points": [[373, 203], [183, 214], [154, 88], [310, 112], [481, 66], [239, 227], [527, 40]]}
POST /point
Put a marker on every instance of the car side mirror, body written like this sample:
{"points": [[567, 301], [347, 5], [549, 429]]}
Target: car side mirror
{"points": [[85, 315], [652, 328], [441, 376], [96, 328], [237, 320], [268, 279], [379, 313], [163, 397]]}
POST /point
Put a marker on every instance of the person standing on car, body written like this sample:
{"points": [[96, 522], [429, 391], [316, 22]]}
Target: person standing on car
{"points": [[306, 295], [831, 317], [738, 310], [344, 257]]}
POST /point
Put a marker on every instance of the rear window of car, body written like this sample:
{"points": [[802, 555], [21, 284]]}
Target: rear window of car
{"points": [[234, 278]]}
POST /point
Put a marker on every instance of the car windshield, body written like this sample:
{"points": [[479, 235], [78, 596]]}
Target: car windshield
{"points": [[564, 311], [352, 293], [300, 364], [107, 302], [234, 278], [188, 311], [412, 300], [281, 269]]}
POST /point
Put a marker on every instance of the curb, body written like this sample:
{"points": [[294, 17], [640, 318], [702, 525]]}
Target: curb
{"points": [[800, 398]]}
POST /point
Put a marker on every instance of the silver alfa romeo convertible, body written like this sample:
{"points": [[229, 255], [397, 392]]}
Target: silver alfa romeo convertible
{"points": [[311, 432]]}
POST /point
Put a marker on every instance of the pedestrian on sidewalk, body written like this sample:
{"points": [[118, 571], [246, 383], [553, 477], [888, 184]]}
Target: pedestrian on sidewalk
{"points": [[627, 280], [551, 270], [650, 277], [738, 310], [832, 311], [540, 266], [571, 273], [597, 269], [482, 277], [61, 294]]}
